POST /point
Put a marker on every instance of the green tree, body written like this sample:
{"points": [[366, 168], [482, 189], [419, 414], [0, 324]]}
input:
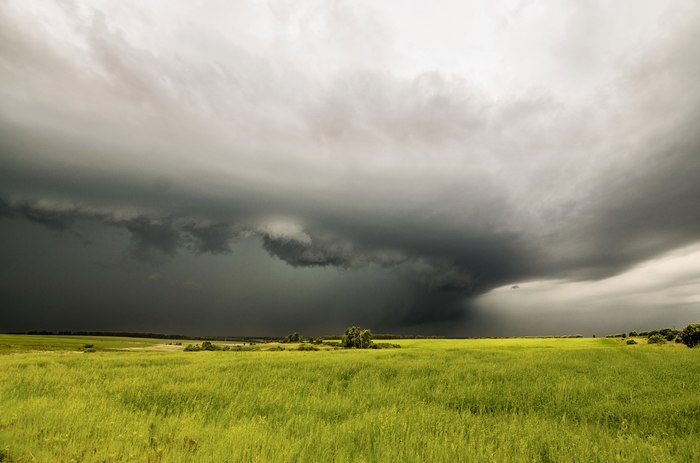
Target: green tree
{"points": [[357, 338], [691, 335], [293, 337]]}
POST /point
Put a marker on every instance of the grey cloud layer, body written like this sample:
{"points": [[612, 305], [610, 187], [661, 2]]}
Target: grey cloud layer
{"points": [[205, 141]]}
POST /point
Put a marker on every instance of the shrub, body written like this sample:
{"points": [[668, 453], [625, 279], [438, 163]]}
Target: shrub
{"points": [[192, 348], [656, 339], [384, 345], [690, 336], [667, 333], [88, 348], [631, 341], [307, 347], [632, 333], [207, 345]]}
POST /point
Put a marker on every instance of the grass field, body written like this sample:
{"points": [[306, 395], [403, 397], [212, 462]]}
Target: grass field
{"points": [[578, 400]]}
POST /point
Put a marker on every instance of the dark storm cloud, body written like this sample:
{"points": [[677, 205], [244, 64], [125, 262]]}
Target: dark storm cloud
{"points": [[303, 254], [192, 138], [58, 220], [5, 210], [212, 239], [148, 235]]}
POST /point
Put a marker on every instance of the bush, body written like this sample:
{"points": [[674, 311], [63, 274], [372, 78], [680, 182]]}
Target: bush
{"points": [[384, 345], [307, 347], [690, 336], [631, 341], [632, 334], [88, 348], [656, 339], [192, 348], [667, 333]]}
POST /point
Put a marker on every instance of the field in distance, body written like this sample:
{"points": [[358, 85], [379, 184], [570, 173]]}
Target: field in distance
{"points": [[521, 399]]}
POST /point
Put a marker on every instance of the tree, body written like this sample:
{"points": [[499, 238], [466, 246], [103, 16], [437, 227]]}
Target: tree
{"points": [[357, 338], [294, 337], [691, 335]]}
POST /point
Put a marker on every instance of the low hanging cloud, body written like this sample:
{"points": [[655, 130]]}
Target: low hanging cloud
{"points": [[194, 135]]}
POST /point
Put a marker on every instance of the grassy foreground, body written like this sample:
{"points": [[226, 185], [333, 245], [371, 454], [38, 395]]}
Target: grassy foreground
{"points": [[432, 400]]}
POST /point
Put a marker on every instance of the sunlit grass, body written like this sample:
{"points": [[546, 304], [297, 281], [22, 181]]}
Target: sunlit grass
{"points": [[432, 400], [24, 343]]}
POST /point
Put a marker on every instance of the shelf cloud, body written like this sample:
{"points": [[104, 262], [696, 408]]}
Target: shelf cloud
{"points": [[479, 147]]}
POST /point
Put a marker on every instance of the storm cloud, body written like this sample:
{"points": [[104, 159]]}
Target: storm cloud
{"points": [[452, 152]]}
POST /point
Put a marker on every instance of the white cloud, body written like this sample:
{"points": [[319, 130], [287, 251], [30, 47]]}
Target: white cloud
{"points": [[663, 290]]}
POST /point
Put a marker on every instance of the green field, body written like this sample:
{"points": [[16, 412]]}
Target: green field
{"points": [[431, 400]]}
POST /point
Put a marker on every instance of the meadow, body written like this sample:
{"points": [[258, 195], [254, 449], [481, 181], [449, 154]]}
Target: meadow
{"points": [[573, 400]]}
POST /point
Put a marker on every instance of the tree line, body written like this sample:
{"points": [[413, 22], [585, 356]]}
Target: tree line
{"points": [[690, 335]]}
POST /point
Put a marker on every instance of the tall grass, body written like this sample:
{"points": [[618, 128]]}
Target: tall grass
{"points": [[433, 400]]}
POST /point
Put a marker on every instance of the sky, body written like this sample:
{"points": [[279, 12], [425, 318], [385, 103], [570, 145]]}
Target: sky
{"points": [[468, 168]]}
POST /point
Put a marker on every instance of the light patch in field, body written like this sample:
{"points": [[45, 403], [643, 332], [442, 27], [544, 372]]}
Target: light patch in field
{"points": [[656, 293], [155, 348]]}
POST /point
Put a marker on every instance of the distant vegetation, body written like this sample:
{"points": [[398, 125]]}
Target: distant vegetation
{"points": [[294, 337], [353, 337], [656, 339], [124, 334], [127, 334], [206, 345], [690, 335]]}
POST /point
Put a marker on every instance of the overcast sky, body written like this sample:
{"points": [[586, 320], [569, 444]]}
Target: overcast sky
{"points": [[255, 168]]}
